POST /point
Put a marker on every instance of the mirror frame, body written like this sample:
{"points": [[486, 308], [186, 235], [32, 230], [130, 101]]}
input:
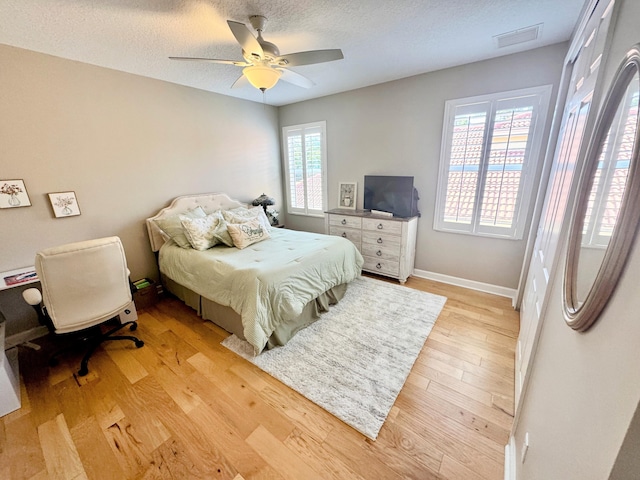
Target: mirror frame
{"points": [[582, 317]]}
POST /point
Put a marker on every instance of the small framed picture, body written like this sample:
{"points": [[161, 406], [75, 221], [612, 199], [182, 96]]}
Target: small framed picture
{"points": [[347, 195], [64, 204], [13, 194]]}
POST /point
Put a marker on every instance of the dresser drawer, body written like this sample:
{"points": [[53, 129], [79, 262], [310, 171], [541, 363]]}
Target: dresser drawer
{"points": [[389, 253], [350, 234], [345, 221], [383, 226], [378, 265], [381, 240]]}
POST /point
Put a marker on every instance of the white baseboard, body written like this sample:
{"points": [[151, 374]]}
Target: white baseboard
{"points": [[472, 284], [26, 336], [510, 459]]}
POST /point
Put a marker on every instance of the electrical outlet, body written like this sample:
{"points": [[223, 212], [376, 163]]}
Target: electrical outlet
{"points": [[525, 447]]}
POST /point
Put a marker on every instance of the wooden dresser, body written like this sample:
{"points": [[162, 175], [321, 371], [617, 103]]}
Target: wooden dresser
{"points": [[388, 244]]}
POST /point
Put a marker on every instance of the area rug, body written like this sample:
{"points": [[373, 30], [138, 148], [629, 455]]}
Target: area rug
{"points": [[355, 359]]}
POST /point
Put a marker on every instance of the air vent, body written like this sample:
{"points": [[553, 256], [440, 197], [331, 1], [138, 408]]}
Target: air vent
{"points": [[515, 37]]}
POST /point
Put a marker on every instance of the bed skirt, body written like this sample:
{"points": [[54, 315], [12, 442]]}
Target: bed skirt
{"points": [[229, 320]]}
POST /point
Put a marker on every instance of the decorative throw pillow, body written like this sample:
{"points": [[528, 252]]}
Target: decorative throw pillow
{"points": [[248, 233], [171, 227], [242, 214], [200, 231], [221, 234]]}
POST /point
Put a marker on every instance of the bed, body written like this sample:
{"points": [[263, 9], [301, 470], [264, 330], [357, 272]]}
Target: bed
{"points": [[263, 293]]}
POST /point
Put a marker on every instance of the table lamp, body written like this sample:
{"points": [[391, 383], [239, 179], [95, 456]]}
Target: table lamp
{"points": [[263, 200]]}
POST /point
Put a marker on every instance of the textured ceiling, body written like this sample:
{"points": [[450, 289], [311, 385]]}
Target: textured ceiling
{"points": [[382, 40]]}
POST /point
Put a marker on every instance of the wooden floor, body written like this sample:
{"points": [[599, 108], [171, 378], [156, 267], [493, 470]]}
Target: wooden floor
{"points": [[183, 406]]}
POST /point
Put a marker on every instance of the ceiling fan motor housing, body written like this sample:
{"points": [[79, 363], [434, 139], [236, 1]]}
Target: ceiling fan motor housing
{"points": [[270, 50]]}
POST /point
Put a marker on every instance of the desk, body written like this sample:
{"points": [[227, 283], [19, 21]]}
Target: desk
{"points": [[20, 276], [9, 378], [22, 324], [24, 327]]}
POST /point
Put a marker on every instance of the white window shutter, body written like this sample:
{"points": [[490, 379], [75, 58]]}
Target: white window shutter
{"points": [[305, 167], [490, 148]]}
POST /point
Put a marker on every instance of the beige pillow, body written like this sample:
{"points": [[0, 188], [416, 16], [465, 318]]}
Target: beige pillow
{"points": [[247, 233], [221, 234], [171, 227], [200, 231], [242, 214]]}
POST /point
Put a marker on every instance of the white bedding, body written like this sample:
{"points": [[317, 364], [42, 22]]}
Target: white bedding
{"points": [[266, 283]]}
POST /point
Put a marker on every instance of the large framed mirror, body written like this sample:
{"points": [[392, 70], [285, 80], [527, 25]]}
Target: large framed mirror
{"points": [[607, 209]]}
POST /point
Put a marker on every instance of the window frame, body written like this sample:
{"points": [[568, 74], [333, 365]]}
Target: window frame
{"points": [[286, 134], [531, 163]]}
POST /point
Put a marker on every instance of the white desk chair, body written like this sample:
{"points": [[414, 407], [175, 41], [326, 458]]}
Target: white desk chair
{"points": [[84, 284]]}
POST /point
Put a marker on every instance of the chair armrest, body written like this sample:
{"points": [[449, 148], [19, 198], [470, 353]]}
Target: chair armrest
{"points": [[32, 296]]}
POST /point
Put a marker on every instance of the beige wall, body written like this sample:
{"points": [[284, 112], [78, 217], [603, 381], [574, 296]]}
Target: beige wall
{"points": [[395, 129], [126, 145], [585, 387]]}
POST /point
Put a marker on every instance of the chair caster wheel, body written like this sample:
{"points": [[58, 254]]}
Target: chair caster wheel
{"points": [[134, 326], [82, 372], [139, 344]]}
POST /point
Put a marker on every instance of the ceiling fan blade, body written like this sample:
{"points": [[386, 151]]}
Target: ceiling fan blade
{"points": [[240, 82], [212, 60], [295, 78], [309, 58], [245, 38]]}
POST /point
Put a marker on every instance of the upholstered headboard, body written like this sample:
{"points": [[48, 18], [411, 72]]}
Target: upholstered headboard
{"points": [[210, 202]]}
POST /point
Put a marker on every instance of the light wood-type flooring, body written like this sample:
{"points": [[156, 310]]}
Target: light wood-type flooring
{"points": [[184, 407]]}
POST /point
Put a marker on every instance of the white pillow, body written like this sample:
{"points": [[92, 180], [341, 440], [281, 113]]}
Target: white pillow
{"points": [[221, 234], [171, 227], [242, 214], [201, 231], [247, 233]]}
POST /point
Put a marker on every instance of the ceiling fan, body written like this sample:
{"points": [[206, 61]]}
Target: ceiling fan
{"points": [[263, 65]]}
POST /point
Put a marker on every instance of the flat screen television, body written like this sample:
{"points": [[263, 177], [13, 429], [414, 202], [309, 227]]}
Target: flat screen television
{"points": [[392, 194]]}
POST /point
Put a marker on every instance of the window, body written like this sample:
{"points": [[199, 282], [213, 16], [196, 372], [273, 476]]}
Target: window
{"points": [[490, 148], [305, 161]]}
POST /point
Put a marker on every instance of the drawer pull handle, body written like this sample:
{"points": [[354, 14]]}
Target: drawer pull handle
{"points": [[344, 221], [380, 226], [378, 266], [379, 253], [379, 240], [344, 234]]}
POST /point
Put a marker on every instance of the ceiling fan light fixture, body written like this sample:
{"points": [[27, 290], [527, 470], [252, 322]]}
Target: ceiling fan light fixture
{"points": [[261, 77]]}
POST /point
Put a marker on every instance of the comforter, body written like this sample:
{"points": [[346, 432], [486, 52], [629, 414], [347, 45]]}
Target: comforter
{"points": [[268, 282]]}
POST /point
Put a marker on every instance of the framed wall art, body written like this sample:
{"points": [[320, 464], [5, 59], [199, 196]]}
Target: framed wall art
{"points": [[13, 194], [64, 204], [347, 195]]}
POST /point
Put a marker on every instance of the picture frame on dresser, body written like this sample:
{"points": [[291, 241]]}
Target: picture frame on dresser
{"points": [[347, 195]]}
